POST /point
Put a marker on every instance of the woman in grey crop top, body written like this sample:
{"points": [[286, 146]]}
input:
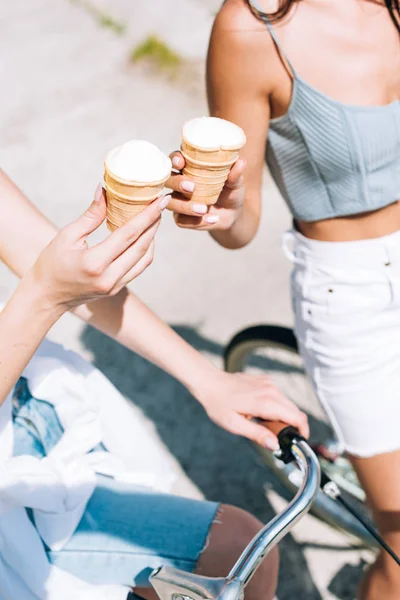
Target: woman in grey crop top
{"points": [[315, 84]]}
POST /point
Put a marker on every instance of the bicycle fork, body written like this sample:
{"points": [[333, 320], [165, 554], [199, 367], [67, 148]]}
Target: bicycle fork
{"points": [[173, 584]]}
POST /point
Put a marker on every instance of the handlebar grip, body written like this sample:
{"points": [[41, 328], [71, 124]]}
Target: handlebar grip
{"points": [[286, 435], [276, 427]]}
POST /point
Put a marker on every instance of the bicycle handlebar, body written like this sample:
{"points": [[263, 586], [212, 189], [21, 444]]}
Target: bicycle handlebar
{"points": [[274, 531], [172, 584]]}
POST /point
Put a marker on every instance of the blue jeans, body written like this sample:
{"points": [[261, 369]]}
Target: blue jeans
{"points": [[125, 532]]}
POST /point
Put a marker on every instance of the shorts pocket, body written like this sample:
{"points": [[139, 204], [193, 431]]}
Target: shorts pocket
{"points": [[337, 302], [310, 298], [357, 300]]}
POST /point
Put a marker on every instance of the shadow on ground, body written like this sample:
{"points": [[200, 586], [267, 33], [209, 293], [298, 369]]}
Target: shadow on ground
{"points": [[224, 467]]}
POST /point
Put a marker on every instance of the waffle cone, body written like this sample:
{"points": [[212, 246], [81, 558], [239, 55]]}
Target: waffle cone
{"points": [[127, 199], [208, 169], [210, 157]]}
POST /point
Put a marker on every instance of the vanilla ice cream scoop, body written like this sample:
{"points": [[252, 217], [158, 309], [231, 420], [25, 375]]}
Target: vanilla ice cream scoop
{"points": [[134, 175], [211, 133], [138, 161], [210, 147]]}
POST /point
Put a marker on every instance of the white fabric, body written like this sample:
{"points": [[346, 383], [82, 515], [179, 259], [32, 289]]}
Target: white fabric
{"points": [[346, 299], [59, 486]]}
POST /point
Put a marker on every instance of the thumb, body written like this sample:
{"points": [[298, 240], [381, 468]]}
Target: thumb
{"points": [[235, 177], [93, 217]]}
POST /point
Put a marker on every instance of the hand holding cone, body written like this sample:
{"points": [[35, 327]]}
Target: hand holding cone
{"points": [[136, 172]]}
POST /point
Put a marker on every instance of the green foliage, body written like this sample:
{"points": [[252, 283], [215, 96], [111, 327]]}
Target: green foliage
{"points": [[157, 53], [107, 20], [102, 17]]}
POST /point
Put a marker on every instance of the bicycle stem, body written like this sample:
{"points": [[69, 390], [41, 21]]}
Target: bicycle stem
{"points": [[271, 534]]}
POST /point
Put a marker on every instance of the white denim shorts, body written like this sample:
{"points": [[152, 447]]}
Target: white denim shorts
{"points": [[346, 302]]}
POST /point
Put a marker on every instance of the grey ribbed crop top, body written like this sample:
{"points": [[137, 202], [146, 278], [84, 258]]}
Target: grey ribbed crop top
{"points": [[330, 159]]}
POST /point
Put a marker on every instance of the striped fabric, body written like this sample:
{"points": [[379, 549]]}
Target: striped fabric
{"points": [[330, 159]]}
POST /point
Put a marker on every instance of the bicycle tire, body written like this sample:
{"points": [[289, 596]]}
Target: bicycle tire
{"points": [[235, 358]]}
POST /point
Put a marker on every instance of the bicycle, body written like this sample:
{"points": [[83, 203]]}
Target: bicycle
{"points": [[274, 350]]}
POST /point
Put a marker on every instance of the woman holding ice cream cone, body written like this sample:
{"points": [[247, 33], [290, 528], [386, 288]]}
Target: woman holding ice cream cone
{"points": [[316, 88]]}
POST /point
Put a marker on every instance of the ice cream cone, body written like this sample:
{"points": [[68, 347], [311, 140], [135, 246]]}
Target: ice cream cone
{"points": [[126, 198], [210, 156], [208, 164]]}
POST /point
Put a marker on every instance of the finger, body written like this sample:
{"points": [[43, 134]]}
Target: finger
{"points": [[129, 259], [186, 222], [235, 177], [305, 427], [107, 251], [267, 389], [181, 184], [92, 218], [143, 264], [180, 205], [255, 432], [277, 411], [178, 162], [206, 223], [271, 392]]}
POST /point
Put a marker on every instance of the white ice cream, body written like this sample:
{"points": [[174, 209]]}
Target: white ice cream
{"points": [[139, 161], [210, 133]]}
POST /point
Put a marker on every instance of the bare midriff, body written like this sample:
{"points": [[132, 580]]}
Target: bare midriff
{"points": [[364, 226]]}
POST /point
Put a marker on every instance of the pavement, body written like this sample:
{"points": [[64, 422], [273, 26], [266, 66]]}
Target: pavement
{"points": [[71, 91]]}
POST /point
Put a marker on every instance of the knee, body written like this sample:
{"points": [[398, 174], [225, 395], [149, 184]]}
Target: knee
{"points": [[265, 581], [244, 528], [382, 580]]}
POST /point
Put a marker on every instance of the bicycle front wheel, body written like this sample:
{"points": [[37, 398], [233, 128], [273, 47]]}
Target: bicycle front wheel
{"points": [[273, 350]]}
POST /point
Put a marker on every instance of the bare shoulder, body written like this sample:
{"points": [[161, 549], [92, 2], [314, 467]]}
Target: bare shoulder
{"points": [[240, 13], [244, 39], [236, 16], [236, 23]]}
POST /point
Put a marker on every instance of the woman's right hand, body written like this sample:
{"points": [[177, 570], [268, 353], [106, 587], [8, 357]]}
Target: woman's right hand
{"points": [[222, 216], [69, 273], [242, 404]]}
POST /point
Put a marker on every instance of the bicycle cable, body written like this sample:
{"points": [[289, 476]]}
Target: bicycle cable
{"points": [[332, 490], [329, 488]]}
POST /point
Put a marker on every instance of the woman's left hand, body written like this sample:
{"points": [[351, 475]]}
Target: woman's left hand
{"points": [[193, 215], [233, 400]]}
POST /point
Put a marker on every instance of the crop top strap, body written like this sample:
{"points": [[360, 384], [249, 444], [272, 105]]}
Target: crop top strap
{"points": [[257, 9]]}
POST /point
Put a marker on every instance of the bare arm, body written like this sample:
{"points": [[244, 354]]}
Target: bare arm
{"points": [[238, 91], [66, 274], [228, 399], [24, 322], [241, 70], [131, 323], [123, 317], [26, 319]]}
